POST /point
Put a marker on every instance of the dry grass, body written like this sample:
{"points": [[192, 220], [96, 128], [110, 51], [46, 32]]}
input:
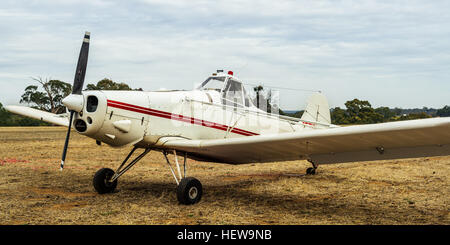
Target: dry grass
{"points": [[34, 191]]}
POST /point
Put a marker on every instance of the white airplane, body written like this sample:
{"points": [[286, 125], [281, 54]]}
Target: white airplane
{"points": [[218, 122]]}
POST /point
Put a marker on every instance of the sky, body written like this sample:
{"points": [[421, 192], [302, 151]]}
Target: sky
{"points": [[391, 53]]}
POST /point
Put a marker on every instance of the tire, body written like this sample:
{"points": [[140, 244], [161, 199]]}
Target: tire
{"points": [[101, 181], [310, 171], [189, 191]]}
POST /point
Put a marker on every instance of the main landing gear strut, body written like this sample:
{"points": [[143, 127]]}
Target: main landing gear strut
{"points": [[189, 189]]}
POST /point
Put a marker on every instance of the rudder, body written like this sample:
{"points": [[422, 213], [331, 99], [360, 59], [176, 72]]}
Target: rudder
{"points": [[317, 109]]}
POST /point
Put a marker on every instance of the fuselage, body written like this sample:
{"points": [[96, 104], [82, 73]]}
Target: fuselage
{"points": [[120, 118]]}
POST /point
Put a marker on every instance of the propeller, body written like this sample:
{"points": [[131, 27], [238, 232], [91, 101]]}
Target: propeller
{"points": [[74, 102]]}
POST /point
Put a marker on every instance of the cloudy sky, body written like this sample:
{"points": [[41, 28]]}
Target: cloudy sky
{"points": [[392, 53]]}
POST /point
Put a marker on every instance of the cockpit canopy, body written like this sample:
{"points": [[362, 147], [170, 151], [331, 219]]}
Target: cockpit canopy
{"points": [[230, 89], [213, 83]]}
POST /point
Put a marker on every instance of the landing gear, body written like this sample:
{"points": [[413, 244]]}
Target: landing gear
{"points": [[102, 181], [189, 189], [311, 171], [105, 180]]}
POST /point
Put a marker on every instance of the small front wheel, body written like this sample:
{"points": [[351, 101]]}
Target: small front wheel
{"points": [[189, 191], [102, 183]]}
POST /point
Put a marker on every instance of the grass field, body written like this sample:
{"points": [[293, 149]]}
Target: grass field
{"points": [[34, 191]]}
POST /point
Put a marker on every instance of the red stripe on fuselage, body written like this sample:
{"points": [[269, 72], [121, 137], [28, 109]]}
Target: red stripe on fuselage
{"points": [[168, 115]]}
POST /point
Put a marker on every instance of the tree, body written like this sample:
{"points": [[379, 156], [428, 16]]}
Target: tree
{"points": [[386, 112], [50, 99], [297, 114], [108, 84], [361, 112], [397, 111], [339, 116], [357, 112], [411, 116], [444, 112], [3, 116]]}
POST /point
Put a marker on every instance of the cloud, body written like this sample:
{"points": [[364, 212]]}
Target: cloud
{"points": [[384, 51]]}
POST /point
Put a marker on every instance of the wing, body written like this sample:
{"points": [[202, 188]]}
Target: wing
{"points": [[405, 139], [58, 119]]}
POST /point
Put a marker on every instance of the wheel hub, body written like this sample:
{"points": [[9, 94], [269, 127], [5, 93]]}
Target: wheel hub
{"points": [[193, 192]]}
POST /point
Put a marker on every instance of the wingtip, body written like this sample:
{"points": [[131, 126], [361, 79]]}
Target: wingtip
{"points": [[10, 108]]}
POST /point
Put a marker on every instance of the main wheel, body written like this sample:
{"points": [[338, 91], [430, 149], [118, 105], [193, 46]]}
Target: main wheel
{"points": [[189, 191], [102, 183]]}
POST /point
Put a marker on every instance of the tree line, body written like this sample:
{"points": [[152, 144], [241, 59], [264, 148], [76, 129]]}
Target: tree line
{"points": [[358, 111], [361, 112], [49, 98]]}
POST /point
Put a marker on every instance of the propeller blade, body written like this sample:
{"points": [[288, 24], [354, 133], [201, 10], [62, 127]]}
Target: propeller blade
{"points": [[77, 86], [66, 143], [81, 66]]}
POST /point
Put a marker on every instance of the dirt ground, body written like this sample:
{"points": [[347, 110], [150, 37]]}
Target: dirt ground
{"points": [[34, 191]]}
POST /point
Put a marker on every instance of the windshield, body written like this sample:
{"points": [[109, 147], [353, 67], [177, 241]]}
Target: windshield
{"points": [[212, 83]]}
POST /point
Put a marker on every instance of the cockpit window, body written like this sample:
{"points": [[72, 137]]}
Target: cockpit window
{"points": [[233, 94], [212, 83], [92, 103]]}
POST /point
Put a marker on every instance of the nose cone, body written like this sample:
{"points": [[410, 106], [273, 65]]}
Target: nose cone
{"points": [[74, 102]]}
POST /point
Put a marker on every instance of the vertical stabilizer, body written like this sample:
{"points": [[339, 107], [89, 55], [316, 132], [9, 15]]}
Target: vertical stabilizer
{"points": [[317, 109]]}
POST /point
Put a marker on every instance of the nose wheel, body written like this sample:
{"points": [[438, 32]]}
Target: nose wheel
{"points": [[102, 181], [105, 179]]}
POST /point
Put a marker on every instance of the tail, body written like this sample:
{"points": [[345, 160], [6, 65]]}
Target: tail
{"points": [[317, 109]]}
